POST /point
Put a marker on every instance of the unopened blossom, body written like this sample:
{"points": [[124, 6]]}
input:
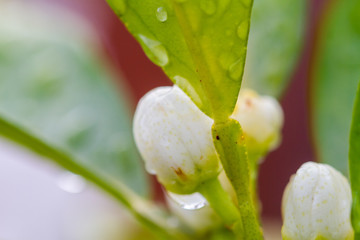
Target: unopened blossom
{"points": [[174, 139], [316, 205], [261, 118]]}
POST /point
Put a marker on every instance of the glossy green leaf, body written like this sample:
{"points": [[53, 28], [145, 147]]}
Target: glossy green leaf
{"points": [[275, 39], [201, 45], [334, 80], [354, 165], [53, 86]]}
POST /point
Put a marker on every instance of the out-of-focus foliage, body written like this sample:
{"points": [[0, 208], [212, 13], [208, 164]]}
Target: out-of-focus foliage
{"points": [[54, 86], [201, 45], [275, 39], [354, 164], [334, 80]]}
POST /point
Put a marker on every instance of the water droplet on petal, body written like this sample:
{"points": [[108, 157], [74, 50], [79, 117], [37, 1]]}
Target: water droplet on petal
{"points": [[236, 69], [243, 29], [161, 14], [155, 51], [208, 6], [71, 183], [189, 202]]}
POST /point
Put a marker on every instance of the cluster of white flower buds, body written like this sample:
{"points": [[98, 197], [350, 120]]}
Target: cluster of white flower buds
{"points": [[316, 205], [175, 141]]}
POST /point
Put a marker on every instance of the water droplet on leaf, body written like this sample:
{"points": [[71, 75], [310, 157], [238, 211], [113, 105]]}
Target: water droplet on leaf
{"points": [[243, 29], [236, 69], [161, 14], [208, 6], [155, 51]]}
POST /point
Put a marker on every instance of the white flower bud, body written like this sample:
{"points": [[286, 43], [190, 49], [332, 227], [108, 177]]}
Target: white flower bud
{"points": [[316, 204], [174, 139], [261, 118]]}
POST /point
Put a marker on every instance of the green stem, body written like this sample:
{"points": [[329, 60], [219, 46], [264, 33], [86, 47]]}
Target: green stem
{"points": [[230, 145], [254, 170], [222, 204], [140, 208]]}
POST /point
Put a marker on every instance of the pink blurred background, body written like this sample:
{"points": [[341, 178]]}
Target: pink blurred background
{"points": [[129, 61]]}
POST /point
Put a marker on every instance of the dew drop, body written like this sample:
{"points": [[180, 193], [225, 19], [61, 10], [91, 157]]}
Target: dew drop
{"points": [[208, 6], [189, 202], [243, 29], [71, 183], [236, 69], [155, 51], [161, 14]]}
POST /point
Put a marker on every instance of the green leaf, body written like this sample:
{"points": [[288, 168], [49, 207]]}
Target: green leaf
{"points": [[54, 87], [275, 39], [336, 74], [354, 165], [201, 45]]}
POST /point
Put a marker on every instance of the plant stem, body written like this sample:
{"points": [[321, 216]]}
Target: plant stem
{"points": [[253, 160], [222, 204], [230, 145], [140, 208]]}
